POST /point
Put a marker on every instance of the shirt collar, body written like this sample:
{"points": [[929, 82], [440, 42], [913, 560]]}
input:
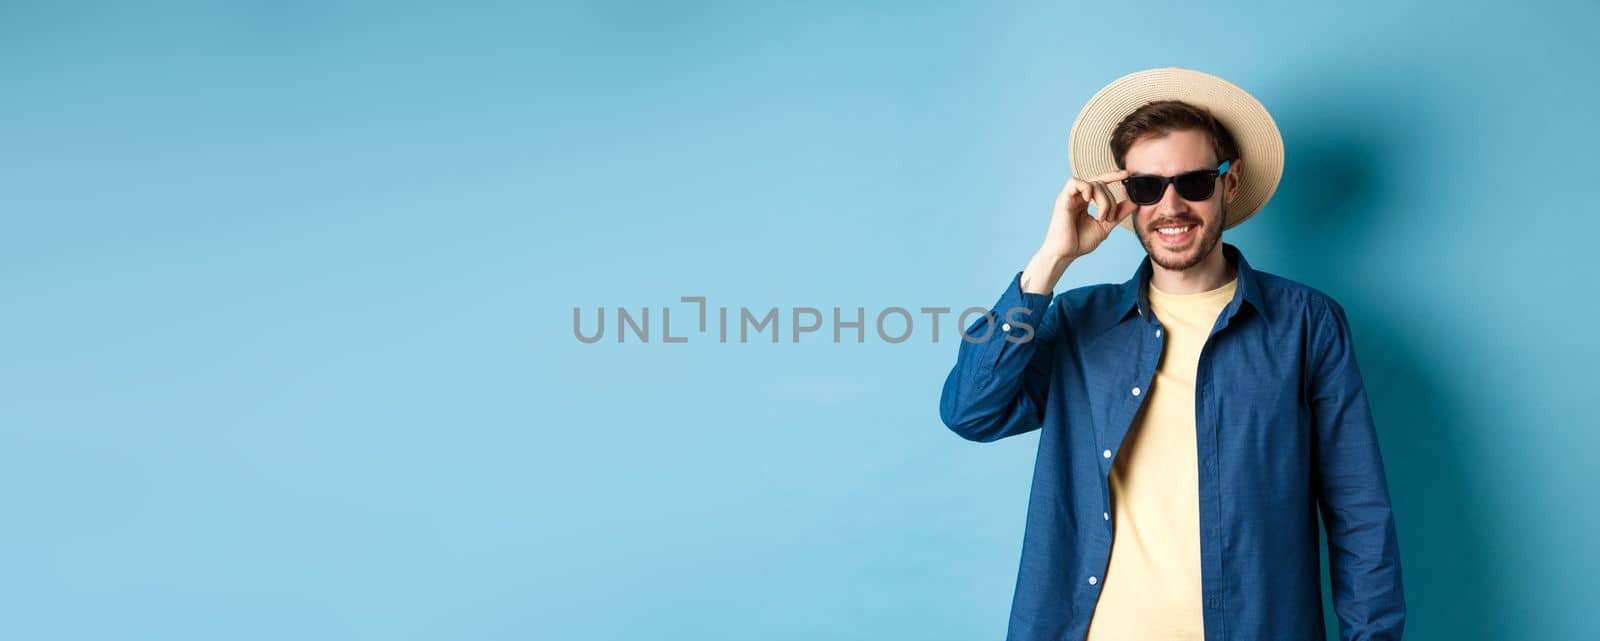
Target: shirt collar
{"points": [[1134, 295]]}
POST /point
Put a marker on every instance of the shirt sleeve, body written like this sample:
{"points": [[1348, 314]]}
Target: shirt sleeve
{"points": [[1352, 491], [998, 385]]}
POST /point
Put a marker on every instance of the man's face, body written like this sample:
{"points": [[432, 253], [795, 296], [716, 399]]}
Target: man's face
{"points": [[1170, 155]]}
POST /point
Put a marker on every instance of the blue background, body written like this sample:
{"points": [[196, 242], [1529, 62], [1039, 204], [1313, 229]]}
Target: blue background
{"points": [[288, 293]]}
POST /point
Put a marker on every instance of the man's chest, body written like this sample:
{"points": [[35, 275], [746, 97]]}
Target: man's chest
{"points": [[1246, 385]]}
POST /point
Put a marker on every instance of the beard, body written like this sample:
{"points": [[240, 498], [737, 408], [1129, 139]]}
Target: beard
{"points": [[1186, 257]]}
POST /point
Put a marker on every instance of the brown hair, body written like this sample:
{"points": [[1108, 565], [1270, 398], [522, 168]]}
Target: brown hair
{"points": [[1161, 117]]}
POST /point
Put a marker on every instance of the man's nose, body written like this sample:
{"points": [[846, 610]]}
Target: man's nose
{"points": [[1171, 201]]}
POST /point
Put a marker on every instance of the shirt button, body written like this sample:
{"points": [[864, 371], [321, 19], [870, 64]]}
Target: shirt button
{"points": [[1106, 453], [1093, 580], [1135, 391], [1158, 332], [1005, 327], [1107, 515]]}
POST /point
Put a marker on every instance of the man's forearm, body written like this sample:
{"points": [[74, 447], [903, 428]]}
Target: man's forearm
{"points": [[1043, 271]]}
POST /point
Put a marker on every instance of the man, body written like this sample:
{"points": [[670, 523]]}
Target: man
{"points": [[1196, 417]]}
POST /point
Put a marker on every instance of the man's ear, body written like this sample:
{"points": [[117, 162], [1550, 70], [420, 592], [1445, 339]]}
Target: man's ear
{"points": [[1230, 184]]}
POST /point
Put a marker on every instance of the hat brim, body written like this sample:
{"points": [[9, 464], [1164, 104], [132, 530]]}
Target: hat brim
{"points": [[1254, 131]]}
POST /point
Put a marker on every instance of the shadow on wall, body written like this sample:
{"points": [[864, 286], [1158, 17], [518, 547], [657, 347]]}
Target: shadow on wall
{"points": [[1339, 136]]}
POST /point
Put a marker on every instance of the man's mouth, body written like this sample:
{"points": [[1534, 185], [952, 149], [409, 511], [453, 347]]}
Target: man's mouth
{"points": [[1175, 234]]}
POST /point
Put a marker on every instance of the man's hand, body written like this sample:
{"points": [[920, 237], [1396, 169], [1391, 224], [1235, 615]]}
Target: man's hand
{"points": [[1072, 231]]}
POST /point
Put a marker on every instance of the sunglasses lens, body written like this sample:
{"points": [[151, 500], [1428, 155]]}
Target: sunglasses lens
{"points": [[1145, 190], [1196, 185]]}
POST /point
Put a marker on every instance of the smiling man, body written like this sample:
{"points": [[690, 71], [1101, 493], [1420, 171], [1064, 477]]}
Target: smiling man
{"points": [[1195, 419]]}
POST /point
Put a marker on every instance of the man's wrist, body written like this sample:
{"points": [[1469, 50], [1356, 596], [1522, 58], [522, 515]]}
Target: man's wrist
{"points": [[1042, 272]]}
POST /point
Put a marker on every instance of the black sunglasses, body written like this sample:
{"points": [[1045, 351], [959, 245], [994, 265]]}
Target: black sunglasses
{"points": [[1195, 185]]}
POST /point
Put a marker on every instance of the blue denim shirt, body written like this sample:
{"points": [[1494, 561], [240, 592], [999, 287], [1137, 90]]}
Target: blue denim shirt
{"points": [[1283, 430]]}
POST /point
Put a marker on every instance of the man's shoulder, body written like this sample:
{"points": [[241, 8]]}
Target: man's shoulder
{"points": [[1296, 301], [1087, 299], [1090, 307]]}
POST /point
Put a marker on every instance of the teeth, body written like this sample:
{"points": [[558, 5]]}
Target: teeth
{"points": [[1173, 231]]}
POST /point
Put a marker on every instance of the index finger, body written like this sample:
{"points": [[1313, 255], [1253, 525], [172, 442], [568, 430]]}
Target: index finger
{"points": [[1111, 175]]}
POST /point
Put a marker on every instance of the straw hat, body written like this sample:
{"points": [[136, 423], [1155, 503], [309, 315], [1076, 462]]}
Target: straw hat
{"points": [[1256, 135]]}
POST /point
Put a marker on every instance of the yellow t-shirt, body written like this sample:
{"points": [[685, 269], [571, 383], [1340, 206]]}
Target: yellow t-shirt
{"points": [[1151, 588]]}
